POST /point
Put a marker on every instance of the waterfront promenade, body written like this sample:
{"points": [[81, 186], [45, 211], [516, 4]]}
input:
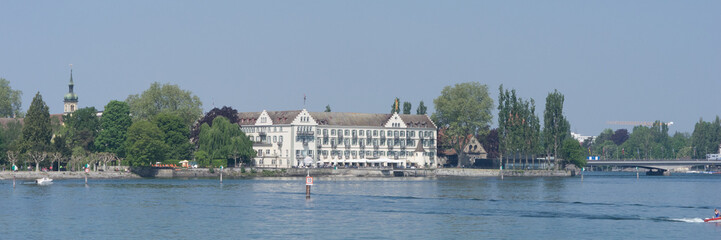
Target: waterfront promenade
{"points": [[284, 172]]}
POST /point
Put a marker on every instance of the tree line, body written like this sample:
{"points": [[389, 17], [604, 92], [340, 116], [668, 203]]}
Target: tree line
{"points": [[655, 142], [154, 126]]}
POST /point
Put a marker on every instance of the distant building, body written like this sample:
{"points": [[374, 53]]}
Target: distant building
{"points": [[293, 138], [472, 151], [71, 99], [716, 156], [581, 138]]}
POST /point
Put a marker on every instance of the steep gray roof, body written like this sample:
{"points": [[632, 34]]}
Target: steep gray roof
{"points": [[278, 117], [417, 121], [350, 119], [339, 118]]}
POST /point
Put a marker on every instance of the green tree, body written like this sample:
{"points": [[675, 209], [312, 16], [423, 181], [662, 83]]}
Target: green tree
{"points": [[639, 143], [222, 140], [36, 127], [82, 128], [573, 153], [176, 135], [166, 98], [241, 148], [202, 157], [407, 108], [10, 133], [518, 125], [114, 126], [10, 100], [60, 145], [327, 108], [462, 111], [421, 110], [705, 138], [395, 107], [556, 127], [145, 144], [679, 141], [604, 136]]}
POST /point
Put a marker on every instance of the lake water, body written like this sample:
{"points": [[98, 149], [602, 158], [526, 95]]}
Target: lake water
{"points": [[602, 206]]}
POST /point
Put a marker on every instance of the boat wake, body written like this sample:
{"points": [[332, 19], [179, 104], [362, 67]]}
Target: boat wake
{"points": [[688, 220]]}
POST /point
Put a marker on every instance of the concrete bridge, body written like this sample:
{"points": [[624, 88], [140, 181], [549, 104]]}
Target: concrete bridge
{"points": [[655, 167]]}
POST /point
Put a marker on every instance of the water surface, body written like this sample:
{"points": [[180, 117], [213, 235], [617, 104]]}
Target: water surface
{"points": [[602, 206]]}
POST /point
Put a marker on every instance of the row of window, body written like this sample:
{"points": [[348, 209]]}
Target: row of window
{"points": [[261, 162], [346, 132], [345, 154], [267, 153], [379, 142], [261, 129], [352, 142], [389, 133], [353, 154]]}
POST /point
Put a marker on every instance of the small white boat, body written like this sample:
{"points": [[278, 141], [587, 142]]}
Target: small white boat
{"points": [[44, 180]]}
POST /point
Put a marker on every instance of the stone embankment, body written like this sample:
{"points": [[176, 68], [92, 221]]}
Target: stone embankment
{"points": [[67, 175], [149, 172]]}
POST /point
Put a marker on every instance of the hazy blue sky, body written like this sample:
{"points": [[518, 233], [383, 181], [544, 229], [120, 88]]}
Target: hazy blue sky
{"points": [[613, 60]]}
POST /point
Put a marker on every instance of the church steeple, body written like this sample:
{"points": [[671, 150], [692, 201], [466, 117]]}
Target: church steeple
{"points": [[71, 99]]}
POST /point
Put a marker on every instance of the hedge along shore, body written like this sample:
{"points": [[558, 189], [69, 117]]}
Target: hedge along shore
{"points": [[147, 172]]}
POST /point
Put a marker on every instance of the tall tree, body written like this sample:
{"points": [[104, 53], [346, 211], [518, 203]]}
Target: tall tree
{"points": [[573, 153], [166, 98], [222, 139], [556, 127], [13, 157], [421, 110], [395, 107], [519, 126], [463, 110], [36, 127], [145, 144], [37, 157], [327, 108], [227, 112], [407, 108], [82, 128], [679, 141], [176, 135], [639, 143], [10, 100], [620, 136], [11, 135], [604, 136], [705, 138], [490, 143], [114, 126]]}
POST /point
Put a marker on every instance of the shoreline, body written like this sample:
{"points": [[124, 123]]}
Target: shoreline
{"points": [[231, 173], [31, 175]]}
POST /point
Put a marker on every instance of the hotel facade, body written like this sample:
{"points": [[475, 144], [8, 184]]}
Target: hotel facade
{"points": [[286, 139]]}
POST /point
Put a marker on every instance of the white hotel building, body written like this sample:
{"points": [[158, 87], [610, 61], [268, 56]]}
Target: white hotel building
{"points": [[291, 138]]}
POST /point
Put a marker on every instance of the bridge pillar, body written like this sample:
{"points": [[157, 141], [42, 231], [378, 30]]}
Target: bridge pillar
{"points": [[658, 172]]}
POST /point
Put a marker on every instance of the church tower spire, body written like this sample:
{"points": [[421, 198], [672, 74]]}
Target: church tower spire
{"points": [[71, 99]]}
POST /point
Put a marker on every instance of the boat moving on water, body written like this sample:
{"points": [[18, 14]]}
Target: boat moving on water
{"points": [[44, 180], [718, 219]]}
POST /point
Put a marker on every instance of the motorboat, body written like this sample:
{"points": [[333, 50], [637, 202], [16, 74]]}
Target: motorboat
{"points": [[44, 180], [717, 219]]}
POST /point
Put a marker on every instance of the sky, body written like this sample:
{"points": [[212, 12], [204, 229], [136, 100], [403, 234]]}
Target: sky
{"points": [[613, 60]]}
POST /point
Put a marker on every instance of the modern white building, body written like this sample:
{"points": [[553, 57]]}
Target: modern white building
{"points": [[286, 139]]}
